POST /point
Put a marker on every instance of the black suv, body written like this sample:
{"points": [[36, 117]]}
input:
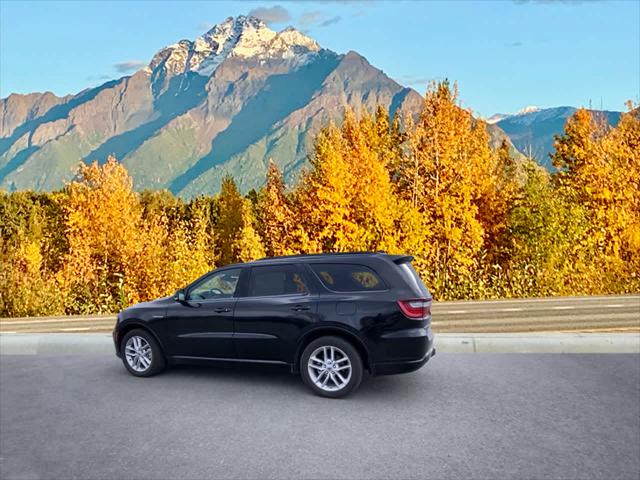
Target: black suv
{"points": [[327, 316]]}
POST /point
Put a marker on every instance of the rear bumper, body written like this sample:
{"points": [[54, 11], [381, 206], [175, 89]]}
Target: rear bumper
{"points": [[404, 351], [393, 368]]}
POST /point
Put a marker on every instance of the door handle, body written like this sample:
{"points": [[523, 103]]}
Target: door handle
{"points": [[222, 309], [300, 308]]}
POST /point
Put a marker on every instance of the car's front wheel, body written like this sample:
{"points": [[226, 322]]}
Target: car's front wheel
{"points": [[141, 354], [331, 366]]}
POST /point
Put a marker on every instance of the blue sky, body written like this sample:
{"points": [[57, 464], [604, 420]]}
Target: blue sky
{"points": [[504, 54]]}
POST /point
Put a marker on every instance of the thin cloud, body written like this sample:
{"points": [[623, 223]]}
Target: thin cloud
{"points": [[129, 66], [315, 18], [413, 80], [275, 14], [91, 78], [310, 18], [330, 21], [515, 44]]}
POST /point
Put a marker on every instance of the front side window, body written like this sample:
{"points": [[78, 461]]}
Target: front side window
{"points": [[276, 280], [218, 285], [341, 277]]}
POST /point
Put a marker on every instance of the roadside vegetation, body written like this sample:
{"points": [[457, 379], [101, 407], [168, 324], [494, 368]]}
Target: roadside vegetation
{"points": [[480, 223]]}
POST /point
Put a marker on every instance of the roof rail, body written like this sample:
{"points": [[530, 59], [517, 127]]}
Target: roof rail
{"points": [[304, 255]]}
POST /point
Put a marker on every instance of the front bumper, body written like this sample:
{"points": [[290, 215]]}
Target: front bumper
{"points": [[116, 341]]}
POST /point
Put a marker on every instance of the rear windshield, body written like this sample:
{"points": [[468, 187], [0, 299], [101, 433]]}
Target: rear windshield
{"points": [[342, 277], [413, 280]]}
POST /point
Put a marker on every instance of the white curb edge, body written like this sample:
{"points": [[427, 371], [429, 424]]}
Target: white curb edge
{"points": [[101, 343]]}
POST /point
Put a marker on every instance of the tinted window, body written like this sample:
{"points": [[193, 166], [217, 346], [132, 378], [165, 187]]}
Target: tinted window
{"points": [[348, 278], [218, 285], [413, 279], [276, 280]]}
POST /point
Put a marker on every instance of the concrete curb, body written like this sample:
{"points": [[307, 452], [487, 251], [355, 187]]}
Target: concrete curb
{"points": [[101, 343], [538, 342]]}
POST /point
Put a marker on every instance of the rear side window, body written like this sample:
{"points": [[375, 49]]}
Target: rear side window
{"points": [[276, 280], [341, 277], [413, 280]]}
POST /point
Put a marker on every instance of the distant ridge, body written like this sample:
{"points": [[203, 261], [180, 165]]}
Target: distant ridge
{"points": [[532, 130]]}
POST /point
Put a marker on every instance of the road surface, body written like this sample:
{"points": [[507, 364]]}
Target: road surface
{"points": [[462, 416], [560, 314]]}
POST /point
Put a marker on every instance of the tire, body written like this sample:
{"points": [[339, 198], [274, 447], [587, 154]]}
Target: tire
{"points": [[336, 369], [135, 358]]}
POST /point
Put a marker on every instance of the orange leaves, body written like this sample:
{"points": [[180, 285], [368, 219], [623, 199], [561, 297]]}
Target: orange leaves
{"points": [[102, 220], [447, 174], [601, 170], [280, 230], [118, 256], [347, 202], [236, 236], [478, 222]]}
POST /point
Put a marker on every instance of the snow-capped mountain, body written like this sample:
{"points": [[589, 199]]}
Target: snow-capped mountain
{"points": [[532, 129], [245, 37], [497, 117], [223, 103]]}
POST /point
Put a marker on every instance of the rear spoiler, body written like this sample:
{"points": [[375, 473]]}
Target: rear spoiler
{"points": [[400, 259]]}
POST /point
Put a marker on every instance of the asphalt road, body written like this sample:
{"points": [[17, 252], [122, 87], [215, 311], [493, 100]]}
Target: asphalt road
{"points": [[462, 416], [559, 314]]}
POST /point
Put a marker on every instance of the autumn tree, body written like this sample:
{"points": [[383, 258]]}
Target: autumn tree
{"points": [[546, 255], [622, 145], [102, 217], [496, 201], [479, 223], [347, 201], [447, 174], [236, 239], [281, 231], [173, 253], [599, 168], [31, 242]]}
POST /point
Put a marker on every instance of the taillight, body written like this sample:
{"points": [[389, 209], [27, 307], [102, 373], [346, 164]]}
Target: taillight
{"points": [[416, 308]]}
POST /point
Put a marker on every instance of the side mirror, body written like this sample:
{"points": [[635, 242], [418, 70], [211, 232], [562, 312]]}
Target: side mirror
{"points": [[180, 296]]}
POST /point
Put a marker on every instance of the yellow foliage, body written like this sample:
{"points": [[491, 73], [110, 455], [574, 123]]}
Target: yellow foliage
{"points": [[115, 256], [347, 203], [280, 230], [478, 222], [237, 239], [601, 171]]}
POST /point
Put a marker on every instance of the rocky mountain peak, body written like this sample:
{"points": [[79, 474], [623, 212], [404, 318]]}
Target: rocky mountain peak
{"points": [[241, 36]]}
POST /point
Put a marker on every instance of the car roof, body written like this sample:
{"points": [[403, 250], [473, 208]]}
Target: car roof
{"points": [[337, 257]]}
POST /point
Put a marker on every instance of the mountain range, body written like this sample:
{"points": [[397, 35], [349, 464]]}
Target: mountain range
{"points": [[224, 103], [532, 129]]}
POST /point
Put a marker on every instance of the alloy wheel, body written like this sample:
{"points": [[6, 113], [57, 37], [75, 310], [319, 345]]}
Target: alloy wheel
{"points": [[137, 351], [329, 368]]}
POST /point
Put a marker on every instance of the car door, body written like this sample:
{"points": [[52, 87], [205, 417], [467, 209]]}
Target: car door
{"points": [[271, 312], [202, 325]]}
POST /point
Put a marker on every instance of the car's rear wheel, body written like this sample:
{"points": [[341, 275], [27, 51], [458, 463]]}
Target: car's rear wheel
{"points": [[331, 366], [141, 354]]}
